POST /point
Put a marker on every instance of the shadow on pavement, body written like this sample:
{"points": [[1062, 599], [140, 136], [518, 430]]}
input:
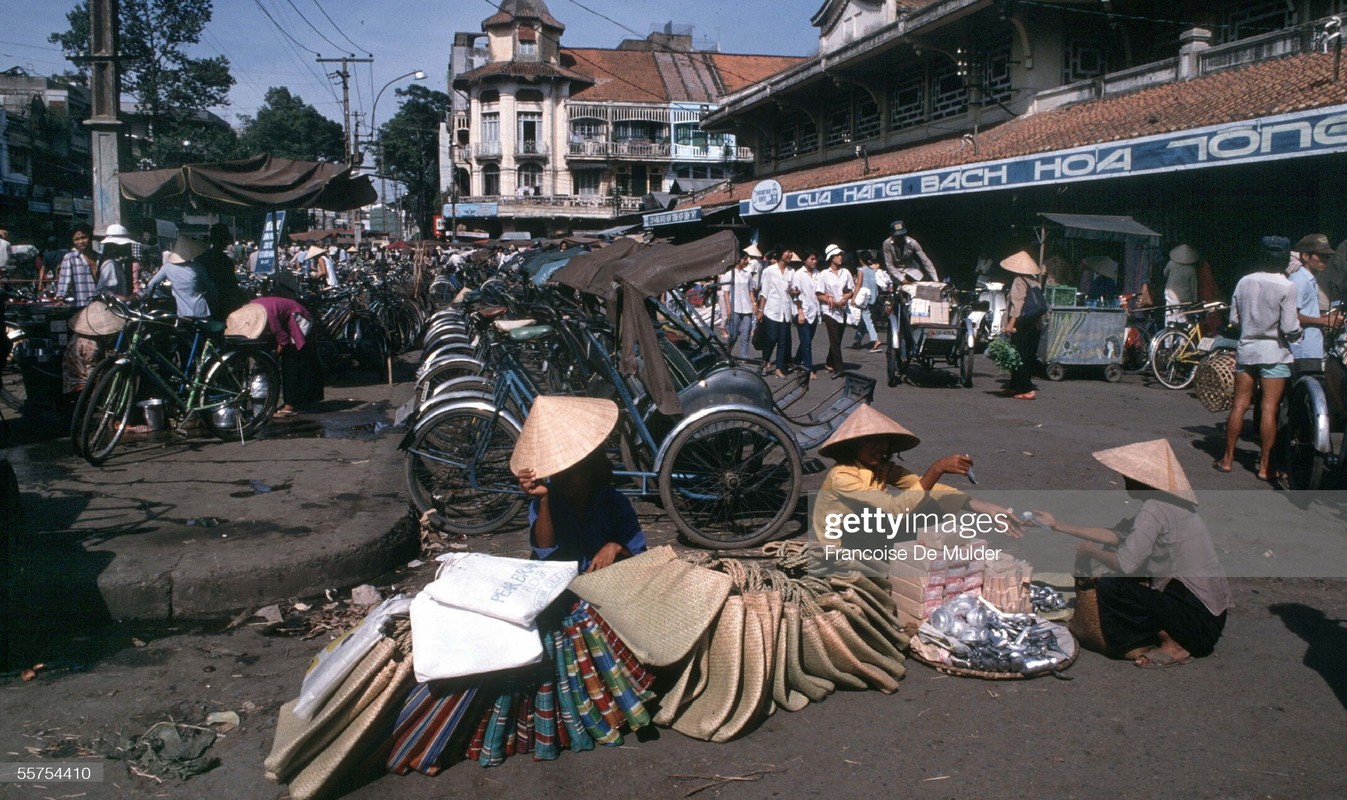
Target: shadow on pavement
{"points": [[1327, 640]]}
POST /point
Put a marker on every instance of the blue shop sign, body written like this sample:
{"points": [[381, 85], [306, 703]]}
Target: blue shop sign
{"points": [[673, 217], [472, 210], [1255, 141]]}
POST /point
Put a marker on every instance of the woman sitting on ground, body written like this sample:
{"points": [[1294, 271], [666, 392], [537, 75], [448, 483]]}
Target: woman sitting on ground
{"points": [[862, 447], [1169, 603], [575, 514]]}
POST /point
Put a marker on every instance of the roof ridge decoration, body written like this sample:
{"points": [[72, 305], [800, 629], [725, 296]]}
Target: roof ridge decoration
{"points": [[512, 10]]}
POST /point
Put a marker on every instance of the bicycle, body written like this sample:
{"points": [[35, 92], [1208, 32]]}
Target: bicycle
{"points": [[1142, 328], [233, 389], [1177, 350]]}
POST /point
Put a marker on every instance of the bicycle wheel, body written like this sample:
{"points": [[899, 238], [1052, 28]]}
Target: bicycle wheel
{"points": [[1302, 465], [1173, 359], [107, 410], [458, 468], [1136, 355], [731, 479], [82, 403], [242, 390]]}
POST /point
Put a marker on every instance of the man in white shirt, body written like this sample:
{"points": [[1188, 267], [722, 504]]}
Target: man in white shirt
{"points": [[4, 250], [776, 308], [835, 287], [739, 294], [805, 287]]}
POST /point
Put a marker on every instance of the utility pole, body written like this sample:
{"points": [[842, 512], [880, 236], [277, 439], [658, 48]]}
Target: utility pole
{"points": [[103, 123], [345, 75]]}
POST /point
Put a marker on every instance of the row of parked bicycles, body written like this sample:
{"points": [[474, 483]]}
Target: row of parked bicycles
{"points": [[187, 369], [721, 450]]}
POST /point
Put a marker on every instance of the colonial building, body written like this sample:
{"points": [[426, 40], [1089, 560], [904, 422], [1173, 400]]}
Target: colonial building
{"points": [[547, 138], [44, 155], [1211, 123]]}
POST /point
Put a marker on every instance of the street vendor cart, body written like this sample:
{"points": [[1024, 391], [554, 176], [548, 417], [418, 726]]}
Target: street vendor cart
{"points": [[1079, 336]]}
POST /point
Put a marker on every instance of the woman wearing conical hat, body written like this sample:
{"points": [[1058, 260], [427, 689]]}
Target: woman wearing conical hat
{"points": [[575, 514], [1024, 328], [1168, 604], [864, 475]]}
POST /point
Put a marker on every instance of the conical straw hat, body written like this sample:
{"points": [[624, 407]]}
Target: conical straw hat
{"points": [[96, 319], [866, 421], [1151, 463], [185, 249], [1021, 264], [313, 252], [560, 432], [248, 320]]}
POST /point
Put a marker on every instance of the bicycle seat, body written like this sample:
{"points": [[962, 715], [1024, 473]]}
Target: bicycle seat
{"points": [[491, 312], [206, 325], [530, 332], [507, 325]]}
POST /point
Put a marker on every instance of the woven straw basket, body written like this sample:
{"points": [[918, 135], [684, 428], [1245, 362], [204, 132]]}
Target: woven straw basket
{"points": [[1216, 381]]}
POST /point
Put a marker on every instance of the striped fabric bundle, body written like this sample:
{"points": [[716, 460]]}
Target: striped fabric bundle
{"points": [[425, 726], [546, 740]]}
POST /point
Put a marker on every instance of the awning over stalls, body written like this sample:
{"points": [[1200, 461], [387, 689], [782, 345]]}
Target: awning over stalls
{"points": [[1102, 228], [319, 236], [262, 182]]}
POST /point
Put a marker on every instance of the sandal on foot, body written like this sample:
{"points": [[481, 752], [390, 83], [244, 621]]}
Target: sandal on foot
{"points": [[1216, 465]]}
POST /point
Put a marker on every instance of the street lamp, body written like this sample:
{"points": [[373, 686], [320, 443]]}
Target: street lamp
{"points": [[416, 75]]}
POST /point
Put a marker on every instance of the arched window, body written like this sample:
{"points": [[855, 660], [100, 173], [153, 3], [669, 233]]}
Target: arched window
{"points": [[528, 96], [491, 180], [530, 179], [489, 96]]}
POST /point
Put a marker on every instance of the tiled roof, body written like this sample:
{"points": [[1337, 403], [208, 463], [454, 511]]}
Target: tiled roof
{"points": [[658, 76], [1269, 88], [511, 10], [520, 69]]}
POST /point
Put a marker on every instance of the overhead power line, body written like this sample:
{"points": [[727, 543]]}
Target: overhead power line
{"points": [[342, 32]]}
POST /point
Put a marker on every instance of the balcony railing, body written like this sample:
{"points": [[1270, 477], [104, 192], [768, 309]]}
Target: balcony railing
{"points": [[657, 150], [544, 205], [528, 148], [482, 150]]}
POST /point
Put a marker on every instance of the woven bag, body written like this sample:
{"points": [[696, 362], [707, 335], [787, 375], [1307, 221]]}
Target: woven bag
{"points": [[784, 692], [344, 758], [723, 664], [1085, 626], [297, 742], [798, 680], [754, 702], [1216, 381], [658, 605], [821, 651]]}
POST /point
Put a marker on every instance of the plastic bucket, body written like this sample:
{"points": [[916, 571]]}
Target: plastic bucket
{"points": [[154, 413]]}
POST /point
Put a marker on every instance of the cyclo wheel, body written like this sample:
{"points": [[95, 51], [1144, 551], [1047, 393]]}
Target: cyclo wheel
{"points": [[1170, 359], [1302, 464], [731, 479], [107, 411], [458, 468], [966, 368], [248, 384], [893, 367], [82, 404]]}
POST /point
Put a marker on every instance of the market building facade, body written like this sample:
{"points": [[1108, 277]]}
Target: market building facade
{"points": [[969, 119], [44, 155], [547, 138]]}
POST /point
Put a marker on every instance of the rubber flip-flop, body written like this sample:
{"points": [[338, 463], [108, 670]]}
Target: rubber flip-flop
{"points": [[1027, 396], [283, 413], [1216, 465], [1159, 659]]}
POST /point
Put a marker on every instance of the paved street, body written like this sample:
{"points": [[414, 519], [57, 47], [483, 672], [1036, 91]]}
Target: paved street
{"points": [[1263, 717]]}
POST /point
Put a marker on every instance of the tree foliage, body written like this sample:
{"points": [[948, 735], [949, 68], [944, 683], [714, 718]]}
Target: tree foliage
{"points": [[410, 150], [287, 126], [169, 85]]}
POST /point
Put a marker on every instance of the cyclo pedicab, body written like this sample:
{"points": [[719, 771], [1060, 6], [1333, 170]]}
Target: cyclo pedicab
{"points": [[704, 435], [928, 324]]}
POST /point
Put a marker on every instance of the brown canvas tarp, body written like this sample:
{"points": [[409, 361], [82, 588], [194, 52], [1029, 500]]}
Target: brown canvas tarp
{"points": [[650, 273], [262, 182], [592, 272]]}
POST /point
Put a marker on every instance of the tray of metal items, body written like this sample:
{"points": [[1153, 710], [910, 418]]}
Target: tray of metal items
{"points": [[969, 637], [1079, 336]]}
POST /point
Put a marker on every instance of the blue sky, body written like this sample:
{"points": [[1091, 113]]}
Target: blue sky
{"points": [[405, 35]]}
